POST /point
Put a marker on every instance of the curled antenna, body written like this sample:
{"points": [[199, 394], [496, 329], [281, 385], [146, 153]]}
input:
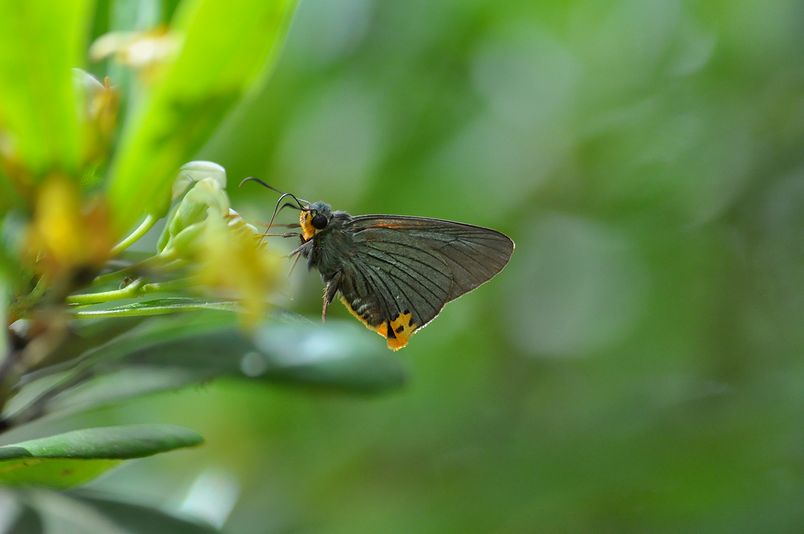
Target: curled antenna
{"points": [[301, 202], [278, 208]]}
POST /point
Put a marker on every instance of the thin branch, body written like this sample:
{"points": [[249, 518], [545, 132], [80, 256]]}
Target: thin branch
{"points": [[138, 232], [130, 291]]}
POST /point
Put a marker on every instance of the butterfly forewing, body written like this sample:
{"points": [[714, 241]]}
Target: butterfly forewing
{"points": [[403, 270]]}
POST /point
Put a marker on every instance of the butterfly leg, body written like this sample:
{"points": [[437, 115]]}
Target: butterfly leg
{"points": [[303, 249], [329, 294]]}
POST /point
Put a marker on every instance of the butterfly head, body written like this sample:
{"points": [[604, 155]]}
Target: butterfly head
{"points": [[314, 218]]}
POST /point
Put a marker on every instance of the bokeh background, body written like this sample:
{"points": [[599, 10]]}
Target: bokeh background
{"points": [[639, 366]]}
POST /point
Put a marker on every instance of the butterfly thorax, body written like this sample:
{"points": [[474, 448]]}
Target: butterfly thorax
{"points": [[331, 246]]}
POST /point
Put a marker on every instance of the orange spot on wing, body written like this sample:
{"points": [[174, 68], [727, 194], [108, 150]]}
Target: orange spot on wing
{"points": [[401, 328]]}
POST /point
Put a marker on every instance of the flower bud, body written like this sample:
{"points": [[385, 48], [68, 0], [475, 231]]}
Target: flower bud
{"points": [[195, 171], [205, 200]]}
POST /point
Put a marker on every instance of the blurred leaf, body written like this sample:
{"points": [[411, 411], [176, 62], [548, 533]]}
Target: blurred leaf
{"points": [[83, 511], [176, 351], [123, 384], [173, 352], [40, 43], [141, 518], [110, 338], [225, 47], [27, 521], [68, 512], [336, 355], [9, 196], [86, 336], [73, 458]]}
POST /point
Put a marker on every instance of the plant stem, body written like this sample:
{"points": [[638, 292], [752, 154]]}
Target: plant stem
{"points": [[134, 289], [131, 290], [138, 232], [165, 287], [163, 262]]}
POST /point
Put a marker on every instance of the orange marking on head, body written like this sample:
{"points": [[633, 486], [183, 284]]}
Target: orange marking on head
{"points": [[306, 223]]}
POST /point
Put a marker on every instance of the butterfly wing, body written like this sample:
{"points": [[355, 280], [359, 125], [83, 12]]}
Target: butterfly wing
{"points": [[403, 270]]}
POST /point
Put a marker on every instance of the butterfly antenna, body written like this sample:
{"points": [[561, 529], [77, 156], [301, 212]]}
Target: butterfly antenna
{"points": [[301, 202], [255, 179], [283, 196], [278, 208]]}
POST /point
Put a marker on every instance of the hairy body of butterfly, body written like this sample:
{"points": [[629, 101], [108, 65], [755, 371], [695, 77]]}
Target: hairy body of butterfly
{"points": [[396, 273]]}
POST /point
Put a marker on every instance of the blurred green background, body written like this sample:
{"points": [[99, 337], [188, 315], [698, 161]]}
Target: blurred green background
{"points": [[639, 366]]}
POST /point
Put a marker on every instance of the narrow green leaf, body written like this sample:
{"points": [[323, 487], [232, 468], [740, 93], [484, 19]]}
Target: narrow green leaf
{"points": [[113, 442], [27, 520], [40, 42], [145, 308], [225, 47], [82, 511], [73, 458], [124, 384], [138, 517], [85, 337]]}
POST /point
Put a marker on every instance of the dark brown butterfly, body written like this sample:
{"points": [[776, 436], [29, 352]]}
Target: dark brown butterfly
{"points": [[395, 273]]}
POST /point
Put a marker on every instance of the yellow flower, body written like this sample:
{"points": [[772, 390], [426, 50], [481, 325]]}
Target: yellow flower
{"points": [[233, 261], [227, 256], [66, 235]]}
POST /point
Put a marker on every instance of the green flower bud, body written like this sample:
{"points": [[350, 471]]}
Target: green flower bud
{"points": [[205, 200], [195, 171]]}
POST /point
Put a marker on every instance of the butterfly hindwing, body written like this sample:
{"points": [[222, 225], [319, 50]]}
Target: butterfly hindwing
{"points": [[403, 270]]}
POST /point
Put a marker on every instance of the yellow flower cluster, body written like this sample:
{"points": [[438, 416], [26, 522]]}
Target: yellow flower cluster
{"points": [[66, 236], [227, 255]]}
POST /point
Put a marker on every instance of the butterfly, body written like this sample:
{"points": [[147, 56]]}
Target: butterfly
{"points": [[394, 273]]}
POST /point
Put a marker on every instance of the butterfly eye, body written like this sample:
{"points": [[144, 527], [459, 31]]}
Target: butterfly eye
{"points": [[319, 221]]}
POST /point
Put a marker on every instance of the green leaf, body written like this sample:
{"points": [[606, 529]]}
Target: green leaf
{"points": [[137, 517], [163, 306], [86, 336], [27, 520], [123, 384], [337, 355], [40, 42], [73, 458], [226, 47], [175, 351], [45, 510]]}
